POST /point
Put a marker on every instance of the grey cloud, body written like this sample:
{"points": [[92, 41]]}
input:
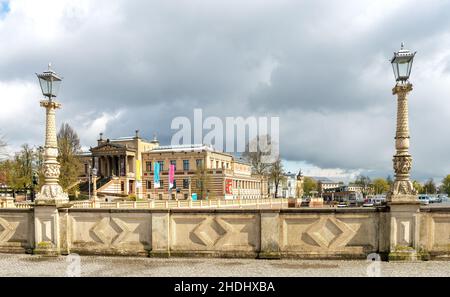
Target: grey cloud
{"points": [[154, 60]]}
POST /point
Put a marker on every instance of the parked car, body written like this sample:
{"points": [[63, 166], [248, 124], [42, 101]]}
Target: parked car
{"points": [[424, 199], [368, 204], [438, 199], [443, 197]]}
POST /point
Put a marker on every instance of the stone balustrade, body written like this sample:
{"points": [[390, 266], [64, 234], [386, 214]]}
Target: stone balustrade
{"points": [[347, 233], [236, 203]]}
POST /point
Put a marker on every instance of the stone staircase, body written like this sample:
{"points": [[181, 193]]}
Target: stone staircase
{"points": [[112, 187], [84, 186]]}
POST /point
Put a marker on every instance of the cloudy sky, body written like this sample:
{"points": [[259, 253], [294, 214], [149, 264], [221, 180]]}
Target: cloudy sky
{"points": [[322, 67]]}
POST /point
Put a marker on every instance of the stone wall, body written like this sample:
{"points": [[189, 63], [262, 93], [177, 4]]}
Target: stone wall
{"points": [[16, 230], [305, 233], [265, 233], [434, 233]]}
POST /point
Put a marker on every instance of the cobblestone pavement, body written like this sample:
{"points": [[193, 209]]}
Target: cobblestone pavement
{"points": [[29, 265]]}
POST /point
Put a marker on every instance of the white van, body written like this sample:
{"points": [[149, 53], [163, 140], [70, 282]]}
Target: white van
{"points": [[424, 199]]}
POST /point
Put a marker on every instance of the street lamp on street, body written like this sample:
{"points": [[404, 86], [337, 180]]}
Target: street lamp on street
{"points": [[51, 192], [402, 189]]}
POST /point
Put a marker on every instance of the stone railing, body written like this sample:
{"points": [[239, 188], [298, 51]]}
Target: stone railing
{"points": [[23, 205], [135, 229], [8, 202], [166, 204]]}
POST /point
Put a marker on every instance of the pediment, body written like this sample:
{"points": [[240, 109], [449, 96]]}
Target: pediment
{"points": [[109, 147]]}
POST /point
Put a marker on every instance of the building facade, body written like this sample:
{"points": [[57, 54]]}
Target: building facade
{"points": [[118, 163], [125, 166], [200, 170], [291, 186], [324, 184]]}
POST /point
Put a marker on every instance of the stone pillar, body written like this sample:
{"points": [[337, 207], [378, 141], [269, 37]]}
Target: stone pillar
{"points": [[7, 202], [46, 230], [51, 191], [160, 233], [270, 234], [94, 188], [52, 196], [402, 189], [402, 199]]}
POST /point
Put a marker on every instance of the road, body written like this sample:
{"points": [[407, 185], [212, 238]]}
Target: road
{"points": [[29, 265]]}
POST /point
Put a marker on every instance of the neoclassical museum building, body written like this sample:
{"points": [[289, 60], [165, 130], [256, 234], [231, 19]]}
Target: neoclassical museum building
{"points": [[125, 166]]}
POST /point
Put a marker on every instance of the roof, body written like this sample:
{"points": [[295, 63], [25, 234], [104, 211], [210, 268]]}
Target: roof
{"points": [[241, 161], [84, 154], [182, 148], [290, 174], [323, 179], [114, 145], [129, 138]]}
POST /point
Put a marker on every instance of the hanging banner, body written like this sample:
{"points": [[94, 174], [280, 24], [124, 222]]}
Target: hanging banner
{"points": [[228, 186], [138, 170], [156, 175], [171, 175]]}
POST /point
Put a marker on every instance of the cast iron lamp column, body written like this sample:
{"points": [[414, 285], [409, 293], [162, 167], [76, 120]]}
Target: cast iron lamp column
{"points": [[402, 188], [51, 191]]}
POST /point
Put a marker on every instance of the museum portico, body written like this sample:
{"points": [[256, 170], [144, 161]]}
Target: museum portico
{"points": [[117, 162]]}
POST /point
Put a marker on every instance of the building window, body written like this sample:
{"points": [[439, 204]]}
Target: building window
{"points": [[185, 196], [149, 184], [217, 164], [161, 165], [122, 186], [185, 183], [174, 163], [185, 165], [174, 184], [148, 166], [199, 163]]}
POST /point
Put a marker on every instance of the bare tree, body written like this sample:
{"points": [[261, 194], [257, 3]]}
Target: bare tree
{"points": [[276, 174], [203, 183], [2, 148], [68, 140], [254, 153], [68, 146]]}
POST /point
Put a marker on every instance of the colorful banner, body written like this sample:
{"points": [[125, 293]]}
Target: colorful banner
{"points": [[156, 175], [171, 175], [138, 170], [228, 186]]}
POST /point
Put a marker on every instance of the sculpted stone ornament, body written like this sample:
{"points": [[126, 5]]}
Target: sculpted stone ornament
{"points": [[403, 187], [52, 192], [51, 170], [402, 164]]}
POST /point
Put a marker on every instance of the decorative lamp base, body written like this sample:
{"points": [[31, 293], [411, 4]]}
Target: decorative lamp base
{"points": [[51, 195]]}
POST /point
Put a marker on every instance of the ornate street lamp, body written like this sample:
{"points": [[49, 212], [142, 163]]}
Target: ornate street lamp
{"points": [[51, 192], [402, 189]]}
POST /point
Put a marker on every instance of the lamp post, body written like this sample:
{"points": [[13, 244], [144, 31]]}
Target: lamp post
{"points": [[402, 188], [51, 191], [89, 180], [94, 184]]}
